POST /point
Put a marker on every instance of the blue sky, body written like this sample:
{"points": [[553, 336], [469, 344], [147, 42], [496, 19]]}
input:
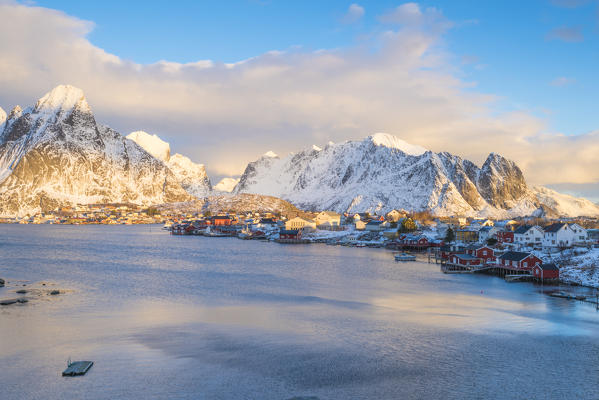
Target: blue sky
{"points": [[505, 48], [225, 82]]}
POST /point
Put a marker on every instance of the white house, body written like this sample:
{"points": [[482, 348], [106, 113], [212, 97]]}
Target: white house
{"points": [[394, 215], [526, 235], [486, 232], [558, 235], [328, 220], [300, 223], [580, 234], [377, 226]]}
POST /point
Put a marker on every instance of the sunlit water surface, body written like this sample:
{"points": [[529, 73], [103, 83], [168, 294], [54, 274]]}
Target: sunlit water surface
{"points": [[168, 317]]}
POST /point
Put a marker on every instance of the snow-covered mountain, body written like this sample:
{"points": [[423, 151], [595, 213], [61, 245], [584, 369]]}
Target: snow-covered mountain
{"points": [[2, 117], [55, 153], [191, 176], [555, 204], [383, 172], [226, 185]]}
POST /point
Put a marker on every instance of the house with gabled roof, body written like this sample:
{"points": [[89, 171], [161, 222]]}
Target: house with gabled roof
{"points": [[558, 234], [486, 232], [518, 260], [327, 220], [545, 271], [526, 235], [580, 234]]}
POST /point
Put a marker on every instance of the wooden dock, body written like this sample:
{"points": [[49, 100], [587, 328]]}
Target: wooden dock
{"points": [[77, 368]]}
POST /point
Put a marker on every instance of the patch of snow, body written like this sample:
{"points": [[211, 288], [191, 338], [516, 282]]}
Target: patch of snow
{"points": [[393, 142], [226, 184], [564, 204], [2, 116], [270, 154], [62, 98], [152, 144]]}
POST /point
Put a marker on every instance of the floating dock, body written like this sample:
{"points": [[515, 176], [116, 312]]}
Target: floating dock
{"points": [[77, 368]]}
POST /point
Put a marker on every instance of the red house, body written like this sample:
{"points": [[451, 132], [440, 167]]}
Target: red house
{"points": [[221, 220], [545, 271], [465, 260], [447, 250], [486, 253], [518, 260], [505, 237], [290, 234]]}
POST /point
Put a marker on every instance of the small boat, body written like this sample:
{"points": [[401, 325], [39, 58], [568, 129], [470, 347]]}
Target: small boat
{"points": [[405, 257]]}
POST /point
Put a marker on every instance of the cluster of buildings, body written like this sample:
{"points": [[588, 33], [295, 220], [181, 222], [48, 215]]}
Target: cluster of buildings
{"points": [[110, 213], [507, 247], [556, 235]]}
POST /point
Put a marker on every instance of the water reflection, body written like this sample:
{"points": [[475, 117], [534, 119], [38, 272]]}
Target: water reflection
{"points": [[208, 318]]}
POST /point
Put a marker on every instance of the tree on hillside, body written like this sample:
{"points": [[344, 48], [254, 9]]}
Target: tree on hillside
{"points": [[491, 241], [449, 235], [407, 225], [151, 211]]}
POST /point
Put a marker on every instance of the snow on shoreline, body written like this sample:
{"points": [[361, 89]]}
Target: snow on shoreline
{"points": [[581, 269]]}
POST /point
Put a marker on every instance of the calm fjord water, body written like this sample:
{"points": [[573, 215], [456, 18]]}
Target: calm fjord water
{"points": [[218, 318]]}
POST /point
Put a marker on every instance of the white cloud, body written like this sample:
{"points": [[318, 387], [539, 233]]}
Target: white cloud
{"points": [[224, 115], [353, 14], [410, 15]]}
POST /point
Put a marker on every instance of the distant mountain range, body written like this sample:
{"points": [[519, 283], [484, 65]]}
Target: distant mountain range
{"points": [[382, 172], [55, 153]]}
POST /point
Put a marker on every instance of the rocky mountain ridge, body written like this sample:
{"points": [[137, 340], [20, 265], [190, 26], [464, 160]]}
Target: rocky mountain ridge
{"points": [[55, 153], [382, 172], [192, 177]]}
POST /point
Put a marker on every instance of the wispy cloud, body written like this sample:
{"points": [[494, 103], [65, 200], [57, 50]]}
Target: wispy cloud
{"points": [[410, 15], [403, 82], [354, 13], [562, 81], [566, 34]]}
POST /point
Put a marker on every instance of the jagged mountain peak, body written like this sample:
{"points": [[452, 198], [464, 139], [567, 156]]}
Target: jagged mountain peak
{"points": [[270, 154], [56, 154], [393, 142], [382, 172], [192, 177], [16, 112], [152, 144], [62, 98]]}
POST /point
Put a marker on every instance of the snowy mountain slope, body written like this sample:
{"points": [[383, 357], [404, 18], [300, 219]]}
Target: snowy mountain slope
{"points": [[55, 153], [226, 185], [152, 144], [191, 176], [559, 204], [383, 172], [2, 117]]}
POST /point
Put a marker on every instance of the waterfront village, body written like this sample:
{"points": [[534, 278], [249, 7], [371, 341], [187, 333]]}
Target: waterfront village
{"points": [[542, 249]]}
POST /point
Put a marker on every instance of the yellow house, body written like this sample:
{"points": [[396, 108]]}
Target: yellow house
{"points": [[328, 220], [300, 223], [360, 225], [394, 215]]}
